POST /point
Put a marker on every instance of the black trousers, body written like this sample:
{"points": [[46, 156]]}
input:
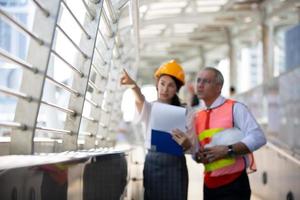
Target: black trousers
{"points": [[237, 190]]}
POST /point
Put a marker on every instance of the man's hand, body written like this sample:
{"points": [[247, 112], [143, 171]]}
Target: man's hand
{"points": [[215, 153], [211, 154], [201, 157], [181, 138]]}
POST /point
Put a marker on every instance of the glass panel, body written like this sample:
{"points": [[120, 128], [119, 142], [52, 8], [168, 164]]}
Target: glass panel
{"points": [[278, 109], [14, 43], [13, 2]]}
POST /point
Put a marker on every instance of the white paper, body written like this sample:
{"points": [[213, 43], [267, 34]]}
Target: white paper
{"points": [[165, 117]]}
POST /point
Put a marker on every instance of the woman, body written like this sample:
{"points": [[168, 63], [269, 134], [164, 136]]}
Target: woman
{"points": [[165, 175]]}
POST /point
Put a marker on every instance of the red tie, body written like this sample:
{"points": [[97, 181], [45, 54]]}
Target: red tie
{"points": [[208, 111], [206, 126]]}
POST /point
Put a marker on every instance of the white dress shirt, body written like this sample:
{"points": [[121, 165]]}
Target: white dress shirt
{"points": [[244, 120]]}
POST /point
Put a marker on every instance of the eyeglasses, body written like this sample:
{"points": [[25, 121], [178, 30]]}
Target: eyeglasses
{"points": [[204, 81]]}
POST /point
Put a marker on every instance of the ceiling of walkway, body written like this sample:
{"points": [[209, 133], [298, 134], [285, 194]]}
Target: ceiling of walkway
{"points": [[198, 31]]}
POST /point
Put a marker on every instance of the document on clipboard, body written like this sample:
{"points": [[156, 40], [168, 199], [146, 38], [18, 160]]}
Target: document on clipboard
{"points": [[164, 118]]}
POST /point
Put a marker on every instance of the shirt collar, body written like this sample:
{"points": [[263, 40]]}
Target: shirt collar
{"points": [[219, 101]]}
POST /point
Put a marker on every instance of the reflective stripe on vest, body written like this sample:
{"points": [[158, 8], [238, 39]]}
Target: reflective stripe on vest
{"points": [[218, 119], [205, 138]]}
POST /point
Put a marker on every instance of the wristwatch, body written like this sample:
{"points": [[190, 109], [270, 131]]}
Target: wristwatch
{"points": [[230, 151]]}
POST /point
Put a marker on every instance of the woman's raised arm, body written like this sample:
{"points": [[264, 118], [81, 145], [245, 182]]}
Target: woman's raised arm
{"points": [[139, 97]]}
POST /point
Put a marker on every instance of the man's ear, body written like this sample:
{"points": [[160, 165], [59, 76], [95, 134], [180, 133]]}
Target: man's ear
{"points": [[219, 88]]}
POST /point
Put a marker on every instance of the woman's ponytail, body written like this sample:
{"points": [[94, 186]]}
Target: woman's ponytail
{"points": [[176, 101]]}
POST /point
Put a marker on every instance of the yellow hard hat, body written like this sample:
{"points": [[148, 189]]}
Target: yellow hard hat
{"points": [[171, 68]]}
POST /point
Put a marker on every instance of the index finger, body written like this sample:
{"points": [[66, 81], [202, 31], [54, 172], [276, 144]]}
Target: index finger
{"points": [[174, 134], [177, 131], [124, 70]]}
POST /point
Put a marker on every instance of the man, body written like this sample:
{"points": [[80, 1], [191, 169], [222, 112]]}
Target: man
{"points": [[225, 175]]}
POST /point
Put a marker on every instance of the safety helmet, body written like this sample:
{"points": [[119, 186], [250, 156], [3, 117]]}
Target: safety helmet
{"points": [[171, 68]]}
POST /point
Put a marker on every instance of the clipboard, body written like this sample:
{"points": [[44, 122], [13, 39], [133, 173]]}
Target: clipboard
{"points": [[163, 119], [162, 141]]}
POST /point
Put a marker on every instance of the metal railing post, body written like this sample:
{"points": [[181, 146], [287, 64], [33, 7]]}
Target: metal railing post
{"points": [[33, 83], [81, 83]]}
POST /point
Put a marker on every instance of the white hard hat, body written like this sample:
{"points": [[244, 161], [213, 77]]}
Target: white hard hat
{"points": [[226, 137]]}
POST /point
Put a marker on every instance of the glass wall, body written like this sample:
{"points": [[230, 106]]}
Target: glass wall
{"points": [[15, 43]]}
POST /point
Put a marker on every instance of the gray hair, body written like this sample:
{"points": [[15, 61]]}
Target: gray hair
{"points": [[218, 75]]}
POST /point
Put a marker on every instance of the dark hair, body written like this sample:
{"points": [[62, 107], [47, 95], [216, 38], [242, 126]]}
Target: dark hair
{"points": [[175, 101], [232, 89], [195, 100]]}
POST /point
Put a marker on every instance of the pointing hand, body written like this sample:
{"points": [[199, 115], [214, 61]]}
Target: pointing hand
{"points": [[126, 79]]}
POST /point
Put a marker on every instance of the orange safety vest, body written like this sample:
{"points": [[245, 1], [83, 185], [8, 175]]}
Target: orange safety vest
{"points": [[207, 124]]}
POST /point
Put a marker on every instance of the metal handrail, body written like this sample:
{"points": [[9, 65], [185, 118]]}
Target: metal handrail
{"points": [[111, 11], [68, 64], [89, 119], [98, 72], [88, 10], [84, 133], [103, 39], [75, 18], [107, 23], [74, 44], [92, 102], [101, 56], [66, 110], [63, 86], [44, 11], [94, 86], [18, 61], [15, 94], [53, 130], [15, 125], [21, 27]]}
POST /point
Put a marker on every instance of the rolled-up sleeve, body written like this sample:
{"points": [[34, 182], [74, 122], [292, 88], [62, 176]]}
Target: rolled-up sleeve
{"points": [[143, 116], [245, 121], [191, 132]]}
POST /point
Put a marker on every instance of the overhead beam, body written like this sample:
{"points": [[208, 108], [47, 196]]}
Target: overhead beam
{"points": [[198, 18], [181, 40]]}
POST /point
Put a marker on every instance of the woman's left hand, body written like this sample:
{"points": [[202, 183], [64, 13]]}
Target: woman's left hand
{"points": [[181, 138]]}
